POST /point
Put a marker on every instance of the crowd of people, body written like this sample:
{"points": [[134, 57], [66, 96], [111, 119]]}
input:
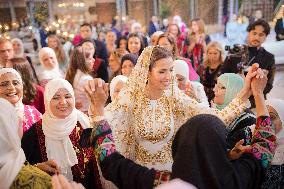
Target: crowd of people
{"points": [[160, 109]]}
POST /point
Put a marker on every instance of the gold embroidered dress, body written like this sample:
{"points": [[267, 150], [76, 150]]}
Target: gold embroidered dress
{"points": [[144, 129]]}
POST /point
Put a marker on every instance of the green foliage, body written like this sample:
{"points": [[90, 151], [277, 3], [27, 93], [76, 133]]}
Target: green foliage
{"points": [[165, 10], [41, 12]]}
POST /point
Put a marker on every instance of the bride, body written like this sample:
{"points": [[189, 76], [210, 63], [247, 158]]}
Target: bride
{"points": [[151, 108]]}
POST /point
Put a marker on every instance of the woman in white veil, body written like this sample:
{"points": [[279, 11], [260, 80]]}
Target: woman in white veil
{"points": [[150, 109]]}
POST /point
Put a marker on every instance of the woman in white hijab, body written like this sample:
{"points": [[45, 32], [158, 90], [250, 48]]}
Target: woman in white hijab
{"points": [[15, 172], [116, 85], [11, 89], [191, 88], [274, 177], [58, 136], [48, 60], [18, 47]]}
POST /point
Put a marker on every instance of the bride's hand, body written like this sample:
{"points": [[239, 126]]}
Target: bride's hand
{"points": [[246, 92], [97, 92]]}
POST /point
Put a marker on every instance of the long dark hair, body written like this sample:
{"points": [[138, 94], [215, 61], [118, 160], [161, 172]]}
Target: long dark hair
{"points": [[23, 67], [77, 61], [141, 42]]}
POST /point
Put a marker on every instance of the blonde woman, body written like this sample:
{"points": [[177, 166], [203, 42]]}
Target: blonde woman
{"points": [[211, 68]]}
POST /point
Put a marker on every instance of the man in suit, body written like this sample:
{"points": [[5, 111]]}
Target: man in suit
{"points": [[257, 33], [279, 28]]}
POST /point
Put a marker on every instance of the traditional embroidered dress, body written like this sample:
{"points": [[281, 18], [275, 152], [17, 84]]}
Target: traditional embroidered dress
{"points": [[31, 116], [58, 139], [274, 177], [143, 128]]}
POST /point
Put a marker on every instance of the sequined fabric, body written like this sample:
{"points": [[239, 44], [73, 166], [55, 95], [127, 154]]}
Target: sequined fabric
{"points": [[143, 129]]}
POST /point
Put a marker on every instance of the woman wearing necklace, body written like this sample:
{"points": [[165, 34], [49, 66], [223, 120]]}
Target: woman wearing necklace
{"points": [[150, 109]]}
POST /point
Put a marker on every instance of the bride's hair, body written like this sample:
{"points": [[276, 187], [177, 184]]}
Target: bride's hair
{"points": [[157, 54]]}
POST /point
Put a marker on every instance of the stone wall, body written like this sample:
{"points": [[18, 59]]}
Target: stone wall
{"points": [[104, 11]]}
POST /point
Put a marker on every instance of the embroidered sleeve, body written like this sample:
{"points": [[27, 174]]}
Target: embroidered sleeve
{"points": [[102, 139], [263, 141], [118, 118], [189, 107]]}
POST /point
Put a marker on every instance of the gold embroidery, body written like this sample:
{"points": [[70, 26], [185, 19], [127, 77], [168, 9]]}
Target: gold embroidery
{"points": [[162, 156], [145, 117]]}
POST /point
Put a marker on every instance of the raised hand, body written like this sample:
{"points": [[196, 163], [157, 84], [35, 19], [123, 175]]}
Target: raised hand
{"points": [[97, 92], [259, 82], [246, 90]]}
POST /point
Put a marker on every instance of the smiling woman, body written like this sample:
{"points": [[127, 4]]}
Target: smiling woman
{"points": [[11, 89], [150, 109], [57, 137]]}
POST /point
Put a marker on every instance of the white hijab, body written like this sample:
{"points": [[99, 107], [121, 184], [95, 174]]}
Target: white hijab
{"points": [[20, 42], [58, 144], [181, 68], [12, 156], [278, 105], [48, 73], [19, 105], [114, 82]]}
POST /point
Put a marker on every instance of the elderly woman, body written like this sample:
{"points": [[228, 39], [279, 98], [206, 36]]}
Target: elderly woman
{"points": [[193, 89], [48, 60], [227, 87], [15, 171], [57, 136], [11, 89]]}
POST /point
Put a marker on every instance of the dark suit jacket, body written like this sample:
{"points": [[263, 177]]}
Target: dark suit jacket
{"points": [[279, 28], [265, 60]]}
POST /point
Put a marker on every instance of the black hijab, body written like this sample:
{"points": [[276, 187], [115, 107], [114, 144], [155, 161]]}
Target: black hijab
{"points": [[200, 157]]}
